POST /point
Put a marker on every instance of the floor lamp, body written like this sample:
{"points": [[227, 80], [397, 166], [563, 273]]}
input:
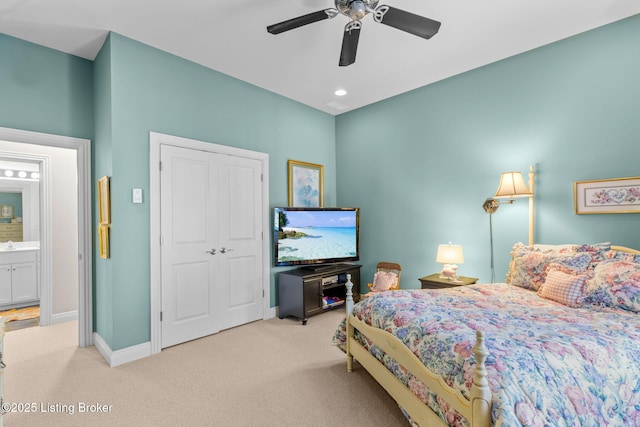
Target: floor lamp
{"points": [[511, 186]]}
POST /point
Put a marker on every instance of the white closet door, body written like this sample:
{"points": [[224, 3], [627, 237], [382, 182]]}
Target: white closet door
{"points": [[211, 243], [188, 185], [240, 234]]}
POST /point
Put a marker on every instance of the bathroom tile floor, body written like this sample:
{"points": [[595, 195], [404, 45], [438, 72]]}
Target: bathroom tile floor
{"points": [[20, 318]]}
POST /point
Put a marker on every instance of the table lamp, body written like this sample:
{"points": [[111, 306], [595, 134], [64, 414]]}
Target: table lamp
{"points": [[450, 255]]}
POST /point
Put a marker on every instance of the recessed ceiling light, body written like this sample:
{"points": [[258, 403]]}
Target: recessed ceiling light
{"points": [[340, 92]]}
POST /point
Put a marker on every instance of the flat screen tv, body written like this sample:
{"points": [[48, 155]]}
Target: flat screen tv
{"points": [[312, 236]]}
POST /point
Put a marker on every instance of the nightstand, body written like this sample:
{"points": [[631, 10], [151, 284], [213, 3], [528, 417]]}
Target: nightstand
{"points": [[435, 282]]}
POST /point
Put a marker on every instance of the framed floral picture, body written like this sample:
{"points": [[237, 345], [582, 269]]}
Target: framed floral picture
{"points": [[606, 196], [306, 182]]}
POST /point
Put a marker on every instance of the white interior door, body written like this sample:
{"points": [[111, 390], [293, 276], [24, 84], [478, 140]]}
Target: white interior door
{"points": [[240, 234], [211, 243], [188, 192]]}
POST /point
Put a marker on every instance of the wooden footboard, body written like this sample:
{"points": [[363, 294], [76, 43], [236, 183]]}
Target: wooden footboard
{"points": [[477, 410]]}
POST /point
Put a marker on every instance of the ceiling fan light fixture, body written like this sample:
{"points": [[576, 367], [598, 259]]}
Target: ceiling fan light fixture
{"points": [[357, 10]]}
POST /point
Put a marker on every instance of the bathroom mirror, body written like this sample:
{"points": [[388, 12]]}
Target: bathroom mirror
{"points": [[10, 229], [19, 202]]}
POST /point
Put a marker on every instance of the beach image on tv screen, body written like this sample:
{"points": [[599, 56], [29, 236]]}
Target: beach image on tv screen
{"points": [[316, 235]]}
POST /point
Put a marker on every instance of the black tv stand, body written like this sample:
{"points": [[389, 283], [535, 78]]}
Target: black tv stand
{"points": [[306, 291], [323, 268]]}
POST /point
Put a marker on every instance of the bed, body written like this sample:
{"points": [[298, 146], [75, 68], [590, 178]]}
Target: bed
{"points": [[557, 344]]}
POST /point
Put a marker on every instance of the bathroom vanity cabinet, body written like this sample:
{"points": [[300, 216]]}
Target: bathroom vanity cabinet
{"points": [[18, 278]]}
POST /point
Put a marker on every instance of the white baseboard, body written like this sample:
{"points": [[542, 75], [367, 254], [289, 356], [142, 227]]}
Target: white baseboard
{"points": [[64, 317], [140, 351], [271, 313], [125, 355]]}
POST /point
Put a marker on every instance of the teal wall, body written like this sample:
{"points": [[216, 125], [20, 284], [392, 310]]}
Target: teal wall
{"points": [[139, 89], [104, 303], [151, 90], [432, 156], [435, 154], [43, 90]]}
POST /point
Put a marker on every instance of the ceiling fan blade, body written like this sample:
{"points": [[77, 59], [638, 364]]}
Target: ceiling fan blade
{"points": [[406, 21], [309, 18], [350, 43]]}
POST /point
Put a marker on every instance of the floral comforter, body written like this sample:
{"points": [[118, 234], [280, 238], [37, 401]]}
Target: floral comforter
{"points": [[549, 365]]}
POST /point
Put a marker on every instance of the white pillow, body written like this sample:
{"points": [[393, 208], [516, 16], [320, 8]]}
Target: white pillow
{"points": [[383, 281], [555, 248], [570, 247]]}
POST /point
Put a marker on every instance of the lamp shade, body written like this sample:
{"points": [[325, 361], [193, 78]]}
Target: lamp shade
{"points": [[450, 254], [512, 185]]}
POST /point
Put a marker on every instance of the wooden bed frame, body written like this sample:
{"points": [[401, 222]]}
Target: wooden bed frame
{"points": [[477, 410]]}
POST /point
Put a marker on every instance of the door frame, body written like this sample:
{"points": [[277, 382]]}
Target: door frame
{"points": [[155, 141], [83, 159], [45, 268]]}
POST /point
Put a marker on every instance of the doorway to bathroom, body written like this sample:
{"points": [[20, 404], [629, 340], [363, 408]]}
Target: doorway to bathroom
{"points": [[64, 224]]}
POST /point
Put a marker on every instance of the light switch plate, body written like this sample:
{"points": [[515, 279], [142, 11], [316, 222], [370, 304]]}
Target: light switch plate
{"points": [[137, 195]]}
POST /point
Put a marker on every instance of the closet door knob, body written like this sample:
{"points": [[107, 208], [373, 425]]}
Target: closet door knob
{"points": [[210, 251]]}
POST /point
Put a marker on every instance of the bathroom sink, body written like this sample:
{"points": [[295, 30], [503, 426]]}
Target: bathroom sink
{"points": [[18, 248]]}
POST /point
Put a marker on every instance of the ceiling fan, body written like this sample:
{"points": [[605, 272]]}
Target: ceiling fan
{"points": [[356, 10]]}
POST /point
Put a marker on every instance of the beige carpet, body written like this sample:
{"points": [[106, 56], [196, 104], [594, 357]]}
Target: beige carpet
{"points": [[268, 373]]}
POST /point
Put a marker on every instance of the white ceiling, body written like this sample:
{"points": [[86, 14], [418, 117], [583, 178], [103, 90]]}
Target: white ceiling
{"points": [[230, 36]]}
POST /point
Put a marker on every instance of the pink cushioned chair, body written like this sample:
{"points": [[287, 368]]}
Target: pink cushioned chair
{"points": [[387, 277]]}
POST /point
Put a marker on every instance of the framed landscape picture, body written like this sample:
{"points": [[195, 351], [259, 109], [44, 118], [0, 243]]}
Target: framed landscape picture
{"points": [[616, 195], [306, 182]]}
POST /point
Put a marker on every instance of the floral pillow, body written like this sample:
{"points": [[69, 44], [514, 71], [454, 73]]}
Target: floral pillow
{"points": [[621, 256], [572, 248], [615, 284], [564, 287], [596, 247], [527, 262], [383, 281], [528, 268]]}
